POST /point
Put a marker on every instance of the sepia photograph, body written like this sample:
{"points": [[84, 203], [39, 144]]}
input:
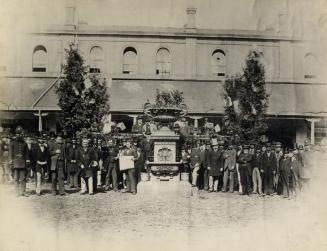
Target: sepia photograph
{"points": [[163, 125]]}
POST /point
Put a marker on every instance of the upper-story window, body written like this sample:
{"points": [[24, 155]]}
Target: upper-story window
{"points": [[96, 59], [218, 63], [163, 62], [130, 61], [310, 66], [40, 59]]}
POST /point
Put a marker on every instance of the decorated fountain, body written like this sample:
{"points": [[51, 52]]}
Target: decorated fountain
{"points": [[163, 169]]}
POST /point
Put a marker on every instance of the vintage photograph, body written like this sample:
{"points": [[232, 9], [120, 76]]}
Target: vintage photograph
{"points": [[163, 125]]}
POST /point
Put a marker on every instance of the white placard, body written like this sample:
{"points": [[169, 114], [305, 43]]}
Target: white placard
{"points": [[126, 162]]}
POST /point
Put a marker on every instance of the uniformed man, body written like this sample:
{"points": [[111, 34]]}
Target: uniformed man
{"points": [[244, 160], [17, 158], [58, 155]]}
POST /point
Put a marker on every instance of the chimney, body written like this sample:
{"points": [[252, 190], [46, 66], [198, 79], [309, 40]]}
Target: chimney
{"points": [[190, 12], [70, 16]]}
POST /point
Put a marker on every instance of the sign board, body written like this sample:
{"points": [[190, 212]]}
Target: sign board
{"points": [[126, 162]]}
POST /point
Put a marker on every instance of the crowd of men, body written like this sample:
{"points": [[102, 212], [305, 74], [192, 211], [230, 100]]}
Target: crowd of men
{"points": [[264, 169], [91, 165]]}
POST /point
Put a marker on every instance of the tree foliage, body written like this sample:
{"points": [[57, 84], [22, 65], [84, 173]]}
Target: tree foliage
{"points": [[246, 100], [83, 98]]}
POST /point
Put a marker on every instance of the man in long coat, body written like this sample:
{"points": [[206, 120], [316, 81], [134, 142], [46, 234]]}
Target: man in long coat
{"points": [[215, 168], [130, 173], [269, 167], [41, 158]]}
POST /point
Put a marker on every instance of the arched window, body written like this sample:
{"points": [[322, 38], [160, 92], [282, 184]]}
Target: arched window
{"points": [[96, 59], [218, 63], [310, 66], [130, 61], [40, 59], [163, 62]]}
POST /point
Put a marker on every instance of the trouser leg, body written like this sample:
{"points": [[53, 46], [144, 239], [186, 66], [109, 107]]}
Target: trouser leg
{"points": [[231, 181], [38, 181], [206, 179], [195, 175], [211, 183], [255, 180], [83, 184], [16, 177], [75, 179], [22, 180], [131, 180], [114, 178], [215, 183], [90, 183], [61, 181], [54, 182], [99, 178], [239, 178], [225, 180]]}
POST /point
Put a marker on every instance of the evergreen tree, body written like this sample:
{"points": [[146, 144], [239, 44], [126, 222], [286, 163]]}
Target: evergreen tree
{"points": [[82, 98], [247, 100]]}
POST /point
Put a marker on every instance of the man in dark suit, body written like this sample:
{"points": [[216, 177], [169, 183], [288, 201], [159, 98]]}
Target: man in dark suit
{"points": [[17, 158], [58, 155], [72, 167], [269, 167], [87, 162], [244, 160], [111, 166], [215, 168]]}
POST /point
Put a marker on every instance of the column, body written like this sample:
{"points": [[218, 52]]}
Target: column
{"points": [[40, 115], [312, 130], [196, 120], [134, 118]]}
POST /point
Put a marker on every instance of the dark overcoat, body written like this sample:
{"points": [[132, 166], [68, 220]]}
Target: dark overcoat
{"points": [[215, 162]]}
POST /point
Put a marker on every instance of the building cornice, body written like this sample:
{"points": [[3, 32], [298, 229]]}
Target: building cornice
{"points": [[168, 32]]}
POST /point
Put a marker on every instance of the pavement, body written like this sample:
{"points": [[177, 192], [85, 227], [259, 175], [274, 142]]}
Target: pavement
{"points": [[171, 221]]}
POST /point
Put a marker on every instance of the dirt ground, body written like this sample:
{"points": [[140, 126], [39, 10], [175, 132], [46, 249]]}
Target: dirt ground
{"points": [[118, 221]]}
